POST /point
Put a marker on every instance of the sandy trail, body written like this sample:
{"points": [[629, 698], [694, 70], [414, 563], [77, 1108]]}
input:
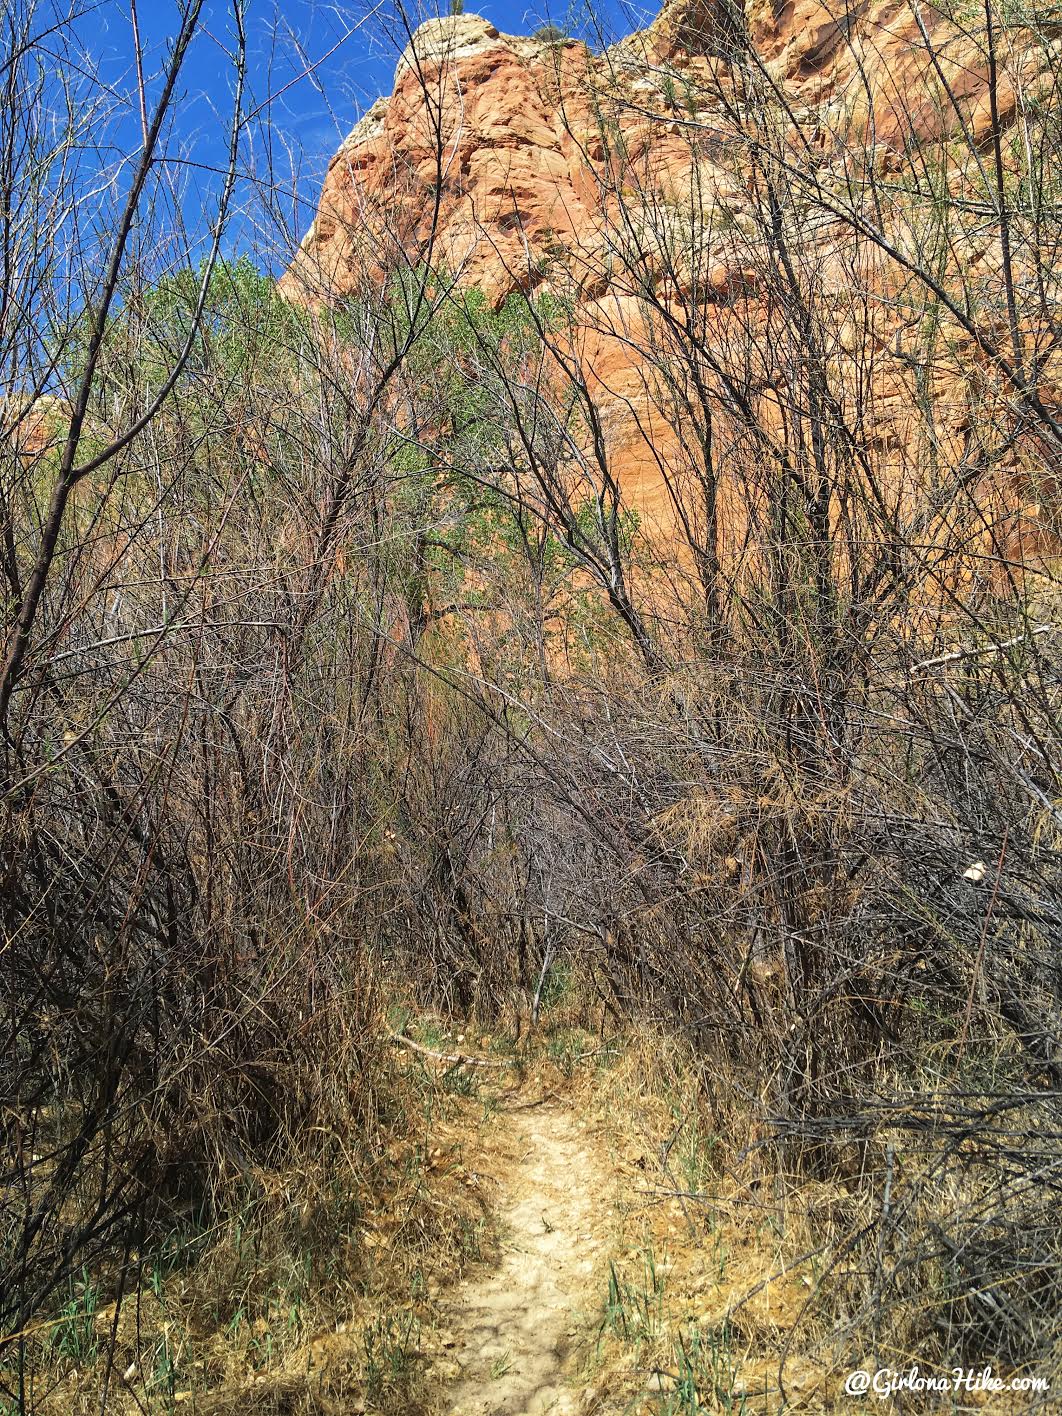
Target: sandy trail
{"points": [[514, 1327]]}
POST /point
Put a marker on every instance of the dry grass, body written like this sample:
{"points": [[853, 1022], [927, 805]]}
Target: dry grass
{"points": [[315, 1294], [727, 1284], [737, 1287]]}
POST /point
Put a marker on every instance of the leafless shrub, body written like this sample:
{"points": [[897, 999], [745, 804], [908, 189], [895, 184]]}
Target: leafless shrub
{"points": [[807, 812], [338, 644]]}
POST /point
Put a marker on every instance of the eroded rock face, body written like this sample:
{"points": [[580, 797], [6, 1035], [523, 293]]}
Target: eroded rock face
{"points": [[468, 165], [32, 429], [622, 181], [496, 155]]}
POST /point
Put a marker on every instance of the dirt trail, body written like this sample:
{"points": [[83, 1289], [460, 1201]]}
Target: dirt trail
{"points": [[514, 1327]]}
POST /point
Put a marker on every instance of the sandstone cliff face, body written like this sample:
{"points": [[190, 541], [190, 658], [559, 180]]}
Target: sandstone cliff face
{"points": [[475, 116], [512, 133], [626, 182]]}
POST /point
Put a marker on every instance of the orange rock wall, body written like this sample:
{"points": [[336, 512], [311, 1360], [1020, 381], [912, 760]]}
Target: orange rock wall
{"points": [[520, 165]]}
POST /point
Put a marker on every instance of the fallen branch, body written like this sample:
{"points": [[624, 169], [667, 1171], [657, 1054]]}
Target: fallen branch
{"points": [[452, 1059], [974, 652]]}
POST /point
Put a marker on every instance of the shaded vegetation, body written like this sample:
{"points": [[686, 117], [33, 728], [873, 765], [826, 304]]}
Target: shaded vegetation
{"points": [[344, 672]]}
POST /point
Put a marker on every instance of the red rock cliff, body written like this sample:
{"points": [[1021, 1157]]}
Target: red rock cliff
{"points": [[517, 164]]}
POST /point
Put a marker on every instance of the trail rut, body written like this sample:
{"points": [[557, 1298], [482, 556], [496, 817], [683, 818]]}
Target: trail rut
{"points": [[514, 1327]]}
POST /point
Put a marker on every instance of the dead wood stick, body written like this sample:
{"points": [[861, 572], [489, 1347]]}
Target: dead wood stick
{"points": [[452, 1059]]}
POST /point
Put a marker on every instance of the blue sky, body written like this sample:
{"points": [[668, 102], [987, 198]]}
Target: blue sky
{"points": [[314, 67]]}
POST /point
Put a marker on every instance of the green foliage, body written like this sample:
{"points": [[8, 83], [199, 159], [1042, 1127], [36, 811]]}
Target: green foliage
{"points": [[550, 34], [470, 1235], [558, 984], [459, 1080], [565, 1047], [447, 450], [635, 1313], [390, 1345], [165, 1374], [74, 1336], [586, 521], [429, 1032], [177, 1251], [244, 327], [706, 1366], [634, 1308], [695, 1155]]}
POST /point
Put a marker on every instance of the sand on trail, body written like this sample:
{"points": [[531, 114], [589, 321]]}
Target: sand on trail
{"points": [[513, 1328]]}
